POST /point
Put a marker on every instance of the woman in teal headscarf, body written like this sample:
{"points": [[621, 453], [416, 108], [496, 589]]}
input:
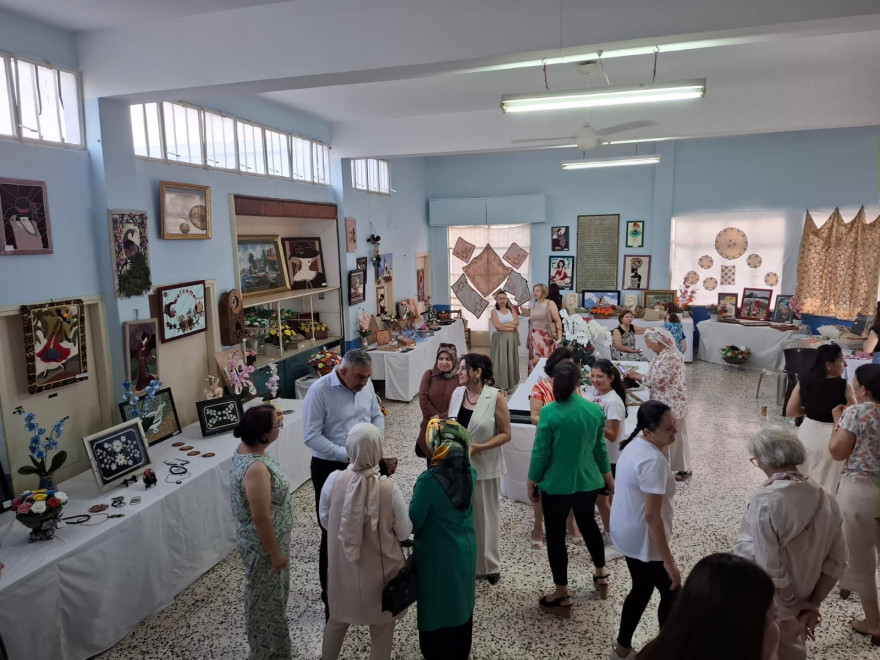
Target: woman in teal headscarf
{"points": [[442, 513]]}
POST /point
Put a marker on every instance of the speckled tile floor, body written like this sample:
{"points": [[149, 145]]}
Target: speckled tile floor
{"points": [[206, 620]]}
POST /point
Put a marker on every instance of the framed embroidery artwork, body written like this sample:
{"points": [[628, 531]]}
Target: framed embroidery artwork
{"points": [[591, 299], [117, 453], [158, 416], [183, 310], [659, 297], [559, 239], [24, 212], [260, 269], [185, 210], [351, 236], [782, 309], [218, 415], [141, 364], [131, 254], [54, 344], [727, 304], [755, 304], [635, 234], [356, 287], [636, 271], [304, 262], [561, 272]]}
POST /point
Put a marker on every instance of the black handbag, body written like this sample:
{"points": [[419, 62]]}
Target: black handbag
{"points": [[402, 590]]}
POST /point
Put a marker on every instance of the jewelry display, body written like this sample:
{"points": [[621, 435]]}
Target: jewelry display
{"points": [[135, 500], [193, 453], [210, 454], [98, 508], [118, 502], [177, 470], [83, 519], [186, 448]]}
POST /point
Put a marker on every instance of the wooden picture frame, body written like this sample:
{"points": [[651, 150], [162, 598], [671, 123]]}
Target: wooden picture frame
{"points": [[755, 304], [385, 300], [635, 234], [725, 300], [361, 264], [561, 272], [185, 211], [260, 267], [351, 240], [560, 238], [304, 263], [24, 214], [55, 345], [117, 453], [159, 411], [654, 297], [357, 286], [631, 298], [636, 272], [383, 337], [182, 308], [590, 299], [130, 249], [219, 415], [140, 340], [781, 309]]}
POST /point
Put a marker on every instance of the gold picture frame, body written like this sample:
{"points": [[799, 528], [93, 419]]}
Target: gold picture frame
{"points": [[261, 266], [185, 211]]}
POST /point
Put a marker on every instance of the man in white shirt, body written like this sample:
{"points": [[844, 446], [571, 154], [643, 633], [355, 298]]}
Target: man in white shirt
{"points": [[334, 404]]}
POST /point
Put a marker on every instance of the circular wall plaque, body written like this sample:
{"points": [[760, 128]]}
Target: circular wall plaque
{"points": [[771, 279], [731, 243], [754, 260], [706, 262], [710, 284], [692, 277]]}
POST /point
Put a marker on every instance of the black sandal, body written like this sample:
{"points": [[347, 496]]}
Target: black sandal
{"points": [[555, 606], [602, 588]]}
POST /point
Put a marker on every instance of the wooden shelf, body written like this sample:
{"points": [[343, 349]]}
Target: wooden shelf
{"points": [[280, 296], [308, 346]]}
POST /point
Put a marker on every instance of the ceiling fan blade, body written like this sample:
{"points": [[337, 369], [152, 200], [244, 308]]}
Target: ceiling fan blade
{"points": [[620, 128], [544, 139]]}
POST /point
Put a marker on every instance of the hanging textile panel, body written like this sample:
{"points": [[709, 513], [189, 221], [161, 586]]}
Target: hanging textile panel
{"points": [[487, 272], [839, 266], [598, 241], [469, 298], [518, 286]]}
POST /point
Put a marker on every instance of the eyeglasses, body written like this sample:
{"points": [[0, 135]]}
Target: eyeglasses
{"points": [[754, 461], [279, 426]]}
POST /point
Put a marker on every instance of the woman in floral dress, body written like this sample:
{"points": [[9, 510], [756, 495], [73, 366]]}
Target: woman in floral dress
{"points": [[543, 318], [263, 512], [665, 380]]}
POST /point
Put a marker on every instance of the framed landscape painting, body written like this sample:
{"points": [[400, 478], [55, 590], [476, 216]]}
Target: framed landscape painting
{"points": [[261, 269], [305, 264], [658, 297], [590, 299], [158, 416], [54, 344], [185, 210], [183, 310], [24, 212], [755, 304], [141, 364]]}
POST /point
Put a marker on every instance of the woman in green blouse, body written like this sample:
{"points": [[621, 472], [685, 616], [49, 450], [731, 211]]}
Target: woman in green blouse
{"points": [[568, 470]]}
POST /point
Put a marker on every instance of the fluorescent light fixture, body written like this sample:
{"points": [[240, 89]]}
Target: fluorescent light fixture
{"points": [[606, 96], [619, 161]]}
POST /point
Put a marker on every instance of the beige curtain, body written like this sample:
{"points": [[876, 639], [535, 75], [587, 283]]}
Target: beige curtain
{"points": [[839, 266]]}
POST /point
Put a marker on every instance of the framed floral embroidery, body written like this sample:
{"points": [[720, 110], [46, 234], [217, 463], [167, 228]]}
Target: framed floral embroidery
{"points": [[117, 453]]}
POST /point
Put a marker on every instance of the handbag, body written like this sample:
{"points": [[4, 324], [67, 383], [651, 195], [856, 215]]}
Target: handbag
{"points": [[402, 590]]}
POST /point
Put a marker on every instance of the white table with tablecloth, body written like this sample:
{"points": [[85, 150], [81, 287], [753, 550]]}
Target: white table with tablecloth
{"points": [[518, 452], [687, 325], [765, 342], [402, 372], [79, 593]]}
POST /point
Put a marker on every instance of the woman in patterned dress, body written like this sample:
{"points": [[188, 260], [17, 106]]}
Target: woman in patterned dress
{"points": [[542, 318], [263, 512], [623, 346], [665, 380]]}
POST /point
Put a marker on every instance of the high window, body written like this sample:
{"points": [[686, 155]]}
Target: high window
{"points": [[370, 175]]}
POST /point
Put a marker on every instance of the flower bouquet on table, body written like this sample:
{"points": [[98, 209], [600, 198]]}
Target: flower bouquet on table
{"points": [[582, 337], [39, 510], [797, 308], [735, 354], [324, 362], [365, 319], [238, 376], [686, 294], [40, 446], [257, 322]]}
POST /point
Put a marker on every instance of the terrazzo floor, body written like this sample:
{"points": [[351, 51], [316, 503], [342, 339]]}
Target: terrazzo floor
{"points": [[206, 620]]}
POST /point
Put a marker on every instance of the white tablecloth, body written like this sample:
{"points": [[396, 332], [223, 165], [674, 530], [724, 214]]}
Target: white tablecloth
{"points": [[851, 365], [78, 594], [402, 372], [687, 325], [765, 342]]}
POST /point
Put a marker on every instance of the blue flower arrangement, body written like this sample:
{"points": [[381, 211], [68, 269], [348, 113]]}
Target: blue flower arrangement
{"points": [[136, 402], [40, 446]]}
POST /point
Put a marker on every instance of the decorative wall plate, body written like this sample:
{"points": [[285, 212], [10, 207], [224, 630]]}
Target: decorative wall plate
{"points": [[710, 284], [754, 260], [692, 277], [706, 262], [771, 279], [731, 243]]}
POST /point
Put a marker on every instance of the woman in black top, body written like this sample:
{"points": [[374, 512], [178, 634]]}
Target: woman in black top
{"points": [[814, 398]]}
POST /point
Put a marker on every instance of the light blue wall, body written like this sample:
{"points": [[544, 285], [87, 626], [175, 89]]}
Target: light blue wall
{"points": [[25, 38]]}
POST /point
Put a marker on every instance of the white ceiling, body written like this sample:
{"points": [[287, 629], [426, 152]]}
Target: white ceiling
{"points": [[389, 74]]}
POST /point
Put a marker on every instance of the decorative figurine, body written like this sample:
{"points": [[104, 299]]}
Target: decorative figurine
{"points": [[149, 478]]}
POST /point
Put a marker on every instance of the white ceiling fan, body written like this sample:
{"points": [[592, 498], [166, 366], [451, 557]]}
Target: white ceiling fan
{"points": [[588, 137]]}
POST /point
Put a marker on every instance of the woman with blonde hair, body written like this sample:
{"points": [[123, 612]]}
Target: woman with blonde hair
{"points": [[504, 343], [545, 326]]}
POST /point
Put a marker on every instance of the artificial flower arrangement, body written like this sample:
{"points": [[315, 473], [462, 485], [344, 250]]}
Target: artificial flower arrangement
{"points": [[602, 311], [795, 305], [258, 318], [272, 382], [712, 309], [238, 375], [139, 406], [430, 312], [581, 337], [686, 294], [736, 353], [364, 320], [40, 501], [286, 334], [323, 360], [40, 446], [316, 327]]}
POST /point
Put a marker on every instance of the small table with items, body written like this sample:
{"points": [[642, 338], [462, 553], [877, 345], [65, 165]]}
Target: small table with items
{"points": [[79, 593], [765, 342]]}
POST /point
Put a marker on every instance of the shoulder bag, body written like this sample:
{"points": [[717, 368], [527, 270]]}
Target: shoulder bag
{"points": [[402, 590]]}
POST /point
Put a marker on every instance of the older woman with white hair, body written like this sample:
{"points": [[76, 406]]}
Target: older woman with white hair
{"points": [[665, 380], [792, 529], [365, 518]]}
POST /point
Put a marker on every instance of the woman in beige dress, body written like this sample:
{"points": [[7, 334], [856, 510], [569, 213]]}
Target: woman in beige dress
{"points": [[504, 343], [545, 326]]}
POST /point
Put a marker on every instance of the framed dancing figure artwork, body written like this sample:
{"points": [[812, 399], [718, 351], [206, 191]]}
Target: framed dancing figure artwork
{"points": [[304, 262], [24, 212], [755, 304], [185, 210], [561, 272], [559, 239], [183, 310], [117, 453], [158, 416], [131, 255], [54, 344], [219, 415], [260, 265], [636, 271], [141, 364]]}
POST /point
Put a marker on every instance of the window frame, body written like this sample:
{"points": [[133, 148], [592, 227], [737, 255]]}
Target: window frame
{"points": [[372, 186]]}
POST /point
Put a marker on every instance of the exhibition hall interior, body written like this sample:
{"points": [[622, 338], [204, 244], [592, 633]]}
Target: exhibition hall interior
{"points": [[260, 257]]}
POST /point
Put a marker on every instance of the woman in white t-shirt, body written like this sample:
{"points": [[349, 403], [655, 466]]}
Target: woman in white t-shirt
{"points": [[641, 519], [608, 392]]}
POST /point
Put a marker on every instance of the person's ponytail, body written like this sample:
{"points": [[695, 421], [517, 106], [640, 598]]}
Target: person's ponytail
{"points": [[649, 417]]}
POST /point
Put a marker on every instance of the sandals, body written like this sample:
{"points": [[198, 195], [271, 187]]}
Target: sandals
{"points": [[681, 476], [601, 587], [555, 606], [875, 639]]}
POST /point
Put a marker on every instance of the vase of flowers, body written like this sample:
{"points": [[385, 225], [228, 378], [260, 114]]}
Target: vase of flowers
{"points": [[272, 382], [39, 510], [40, 446], [582, 337], [238, 376], [797, 308], [736, 354], [324, 362], [713, 312], [364, 321]]}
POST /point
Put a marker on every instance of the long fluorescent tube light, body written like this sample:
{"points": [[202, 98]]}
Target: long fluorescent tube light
{"points": [[607, 96], [620, 161]]}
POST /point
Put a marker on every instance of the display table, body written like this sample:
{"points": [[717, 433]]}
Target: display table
{"points": [[765, 342], [687, 325], [79, 593], [402, 372], [518, 452]]}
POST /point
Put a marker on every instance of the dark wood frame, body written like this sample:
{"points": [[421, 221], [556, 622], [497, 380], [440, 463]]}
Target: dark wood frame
{"points": [[163, 308], [653, 292], [741, 314], [203, 422], [782, 296], [641, 238], [30, 350], [276, 240], [736, 304], [567, 235], [363, 275], [287, 243], [7, 208], [125, 407]]}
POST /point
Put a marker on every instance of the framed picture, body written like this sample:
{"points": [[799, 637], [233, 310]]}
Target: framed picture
{"points": [[25, 214], [141, 364], [185, 210], [561, 272], [260, 267], [362, 264], [590, 299], [117, 453], [781, 310], [356, 286], [219, 415], [158, 416], [183, 310], [559, 241], [635, 234], [631, 299], [385, 268], [420, 284], [351, 237], [305, 264], [727, 304], [636, 271], [54, 344], [755, 304], [131, 254], [658, 297], [383, 337], [383, 302]]}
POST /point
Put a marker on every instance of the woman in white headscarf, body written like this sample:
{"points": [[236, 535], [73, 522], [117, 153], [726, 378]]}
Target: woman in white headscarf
{"points": [[365, 518], [665, 380]]}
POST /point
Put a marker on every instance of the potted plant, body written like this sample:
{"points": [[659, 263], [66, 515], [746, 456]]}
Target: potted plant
{"points": [[735, 354], [324, 362], [39, 510], [713, 312], [686, 295], [364, 321], [40, 446]]}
